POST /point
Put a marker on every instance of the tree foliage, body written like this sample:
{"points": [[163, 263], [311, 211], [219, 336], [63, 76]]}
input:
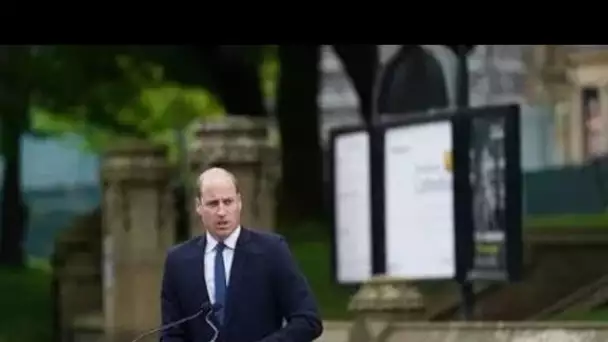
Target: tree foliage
{"points": [[108, 93], [102, 92]]}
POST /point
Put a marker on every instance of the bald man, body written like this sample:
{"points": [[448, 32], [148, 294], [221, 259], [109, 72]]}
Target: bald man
{"points": [[250, 275]]}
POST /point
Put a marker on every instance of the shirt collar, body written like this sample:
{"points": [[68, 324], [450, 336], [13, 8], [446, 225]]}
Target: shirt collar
{"points": [[230, 241]]}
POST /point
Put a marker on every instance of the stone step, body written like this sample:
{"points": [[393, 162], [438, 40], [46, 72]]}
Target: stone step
{"points": [[584, 299], [559, 262], [88, 328]]}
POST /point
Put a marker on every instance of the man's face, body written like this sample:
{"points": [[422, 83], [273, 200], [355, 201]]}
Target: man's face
{"points": [[219, 206]]}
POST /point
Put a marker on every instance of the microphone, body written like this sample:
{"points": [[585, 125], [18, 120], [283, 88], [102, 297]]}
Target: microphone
{"points": [[204, 307]]}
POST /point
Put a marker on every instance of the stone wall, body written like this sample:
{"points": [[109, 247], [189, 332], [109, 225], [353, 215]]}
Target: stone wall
{"points": [[77, 273], [138, 228], [117, 251]]}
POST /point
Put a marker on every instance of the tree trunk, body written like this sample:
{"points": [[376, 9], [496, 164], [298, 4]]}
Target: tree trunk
{"points": [[14, 111], [235, 80], [301, 195], [12, 207], [361, 64]]}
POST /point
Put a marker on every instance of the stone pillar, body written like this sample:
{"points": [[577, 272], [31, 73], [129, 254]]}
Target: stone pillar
{"points": [[563, 132], [547, 87], [138, 228], [381, 302], [248, 148]]}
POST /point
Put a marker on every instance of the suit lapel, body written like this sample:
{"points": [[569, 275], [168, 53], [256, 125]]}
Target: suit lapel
{"points": [[239, 265], [200, 260]]}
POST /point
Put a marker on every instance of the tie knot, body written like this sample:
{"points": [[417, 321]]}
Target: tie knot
{"points": [[220, 247]]}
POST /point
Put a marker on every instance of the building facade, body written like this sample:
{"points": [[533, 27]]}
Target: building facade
{"points": [[573, 81], [564, 107]]}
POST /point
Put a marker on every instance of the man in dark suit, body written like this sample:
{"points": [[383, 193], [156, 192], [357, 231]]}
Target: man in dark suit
{"points": [[250, 274]]}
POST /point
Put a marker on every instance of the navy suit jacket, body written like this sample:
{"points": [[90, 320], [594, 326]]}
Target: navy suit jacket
{"points": [[265, 288]]}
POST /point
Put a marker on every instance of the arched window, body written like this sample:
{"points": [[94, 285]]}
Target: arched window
{"points": [[416, 79]]}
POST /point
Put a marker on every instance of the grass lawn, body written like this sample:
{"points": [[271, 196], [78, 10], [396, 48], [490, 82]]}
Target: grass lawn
{"points": [[597, 315], [313, 258], [25, 304], [310, 245], [567, 221]]}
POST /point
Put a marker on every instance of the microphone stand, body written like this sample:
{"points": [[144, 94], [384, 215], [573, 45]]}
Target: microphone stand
{"points": [[216, 331], [183, 320]]}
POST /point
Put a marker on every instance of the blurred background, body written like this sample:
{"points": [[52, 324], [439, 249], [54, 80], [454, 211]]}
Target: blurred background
{"points": [[100, 145]]}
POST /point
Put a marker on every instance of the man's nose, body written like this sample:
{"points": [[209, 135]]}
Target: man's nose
{"points": [[221, 210]]}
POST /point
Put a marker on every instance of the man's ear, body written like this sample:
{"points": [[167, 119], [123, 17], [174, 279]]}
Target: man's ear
{"points": [[240, 201], [198, 205]]}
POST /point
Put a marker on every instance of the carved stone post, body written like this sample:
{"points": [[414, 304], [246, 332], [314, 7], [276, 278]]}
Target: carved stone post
{"points": [[245, 147], [380, 303], [138, 228]]}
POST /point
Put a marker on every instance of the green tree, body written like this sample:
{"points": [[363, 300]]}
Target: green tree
{"points": [[104, 92], [14, 105], [301, 195]]}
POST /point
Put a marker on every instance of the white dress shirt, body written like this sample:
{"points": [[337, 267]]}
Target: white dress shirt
{"points": [[228, 255]]}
